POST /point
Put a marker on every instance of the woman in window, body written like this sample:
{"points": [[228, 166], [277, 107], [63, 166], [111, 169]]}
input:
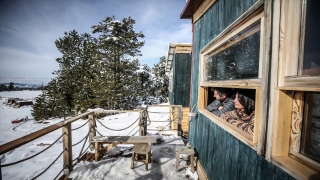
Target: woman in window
{"points": [[243, 115]]}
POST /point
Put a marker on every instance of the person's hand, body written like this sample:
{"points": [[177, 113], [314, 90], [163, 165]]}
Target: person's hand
{"points": [[220, 107]]}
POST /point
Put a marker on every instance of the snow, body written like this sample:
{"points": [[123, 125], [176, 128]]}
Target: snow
{"points": [[108, 167]]}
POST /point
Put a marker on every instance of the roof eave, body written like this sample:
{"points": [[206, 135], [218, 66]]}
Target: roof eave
{"points": [[190, 8]]}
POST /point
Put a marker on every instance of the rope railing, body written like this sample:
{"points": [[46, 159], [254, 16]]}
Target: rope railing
{"points": [[81, 139], [98, 132], [118, 129], [132, 130], [80, 126], [59, 172], [10, 164], [77, 158], [49, 165]]}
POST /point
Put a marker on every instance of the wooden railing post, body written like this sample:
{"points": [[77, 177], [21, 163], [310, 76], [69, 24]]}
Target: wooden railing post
{"points": [[67, 146], [179, 120], [92, 133], [141, 129]]}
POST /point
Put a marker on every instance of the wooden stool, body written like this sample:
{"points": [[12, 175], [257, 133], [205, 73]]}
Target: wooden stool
{"points": [[144, 150], [184, 150]]}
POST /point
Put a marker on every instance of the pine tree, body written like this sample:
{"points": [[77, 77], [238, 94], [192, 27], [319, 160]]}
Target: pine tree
{"points": [[11, 86], [160, 80], [117, 42]]}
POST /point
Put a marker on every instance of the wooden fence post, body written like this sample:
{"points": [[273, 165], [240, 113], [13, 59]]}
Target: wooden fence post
{"points": [[141, 124], [92, 123], [179, 121], [67, 146]]}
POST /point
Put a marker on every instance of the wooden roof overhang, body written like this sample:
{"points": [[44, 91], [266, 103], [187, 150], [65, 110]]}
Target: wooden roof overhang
{"points": [[176, 48], [190, 8]]}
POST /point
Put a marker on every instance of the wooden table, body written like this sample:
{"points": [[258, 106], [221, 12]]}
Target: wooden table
{"points": [[114, 140]]}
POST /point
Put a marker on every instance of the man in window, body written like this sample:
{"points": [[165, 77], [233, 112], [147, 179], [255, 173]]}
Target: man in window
{"points": [[223, 102]]}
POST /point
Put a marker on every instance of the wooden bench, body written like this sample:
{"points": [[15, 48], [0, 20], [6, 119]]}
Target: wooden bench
{"points": [[141, 153], [114, 140]]}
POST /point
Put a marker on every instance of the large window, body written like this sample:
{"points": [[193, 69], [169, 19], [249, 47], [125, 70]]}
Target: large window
{"points": [[233, 61]]}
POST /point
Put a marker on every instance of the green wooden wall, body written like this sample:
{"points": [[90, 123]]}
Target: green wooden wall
{"points": [[225, 157], [222, 155], [181, 66]]}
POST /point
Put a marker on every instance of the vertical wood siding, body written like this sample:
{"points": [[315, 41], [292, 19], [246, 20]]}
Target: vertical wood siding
{"points": [[225, 157], [222, 155], [181, 65]]}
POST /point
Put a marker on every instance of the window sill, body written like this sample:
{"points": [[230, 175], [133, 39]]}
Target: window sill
{"points": [[236, 132], [295, 168]]}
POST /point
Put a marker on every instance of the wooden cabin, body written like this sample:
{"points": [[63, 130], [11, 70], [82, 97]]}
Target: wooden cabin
{"points": [[271, 49], [178, 69]]}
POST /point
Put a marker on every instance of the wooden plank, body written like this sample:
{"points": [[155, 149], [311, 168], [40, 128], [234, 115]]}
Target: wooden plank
{"points": [[281, 127], [295, 168], [257, 118], [236, 132], [142, 139], [248, 83], [298, 88], [303, 81], [273, 84], [292, 13], [67, 146]]}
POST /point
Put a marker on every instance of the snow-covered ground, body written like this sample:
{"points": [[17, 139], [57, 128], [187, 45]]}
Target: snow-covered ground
{"points": [[109, 167]]}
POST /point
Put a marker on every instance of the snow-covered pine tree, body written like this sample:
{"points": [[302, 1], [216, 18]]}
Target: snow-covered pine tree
{"points": [[117, 42], [160, 80]]}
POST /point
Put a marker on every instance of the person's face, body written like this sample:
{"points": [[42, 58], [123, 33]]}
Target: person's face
{"points": [[216, 95], [237, 104]]}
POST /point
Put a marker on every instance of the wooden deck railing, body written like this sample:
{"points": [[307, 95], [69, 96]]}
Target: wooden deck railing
{"points": [[67, 134]]}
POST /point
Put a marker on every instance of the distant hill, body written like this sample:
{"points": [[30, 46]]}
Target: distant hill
{"points": [[21, 85]]}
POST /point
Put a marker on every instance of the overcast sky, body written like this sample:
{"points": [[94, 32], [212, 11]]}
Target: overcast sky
{"points": [[28, 30]]}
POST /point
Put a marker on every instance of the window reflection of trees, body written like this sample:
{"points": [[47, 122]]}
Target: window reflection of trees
{"points": [[240, 61]]}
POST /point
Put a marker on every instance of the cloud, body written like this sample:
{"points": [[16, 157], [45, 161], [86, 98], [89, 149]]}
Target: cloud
{"points": [[28, 30], [157, 45], [26, 64]]}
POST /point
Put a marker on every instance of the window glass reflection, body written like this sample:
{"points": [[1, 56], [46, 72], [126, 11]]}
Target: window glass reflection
{"points": [[236, 59]]}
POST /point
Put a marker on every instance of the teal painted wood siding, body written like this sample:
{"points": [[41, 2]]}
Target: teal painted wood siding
{"points": [[225, 157], [181, 66], [222, 155]]}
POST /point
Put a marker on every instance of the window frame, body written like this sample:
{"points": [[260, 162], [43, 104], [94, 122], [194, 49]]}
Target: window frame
{"points": [[289, 91], [204, 86]]}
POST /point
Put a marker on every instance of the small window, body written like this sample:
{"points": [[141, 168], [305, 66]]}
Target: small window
{"points": [[238, 58], [310, 141]]}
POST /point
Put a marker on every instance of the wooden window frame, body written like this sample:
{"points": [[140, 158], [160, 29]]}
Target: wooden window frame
{"points": [[284, 123], [239, 26]]}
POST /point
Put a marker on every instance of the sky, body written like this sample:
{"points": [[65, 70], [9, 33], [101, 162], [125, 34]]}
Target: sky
{"points": [[28, 30], [109, 167]]}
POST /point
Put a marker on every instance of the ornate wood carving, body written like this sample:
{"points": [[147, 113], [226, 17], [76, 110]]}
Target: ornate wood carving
{"points": [[296, 121]]}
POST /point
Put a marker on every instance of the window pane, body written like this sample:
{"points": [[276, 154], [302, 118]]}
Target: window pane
{"points": [[311, 60], [310, 145], [236, 59]]}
